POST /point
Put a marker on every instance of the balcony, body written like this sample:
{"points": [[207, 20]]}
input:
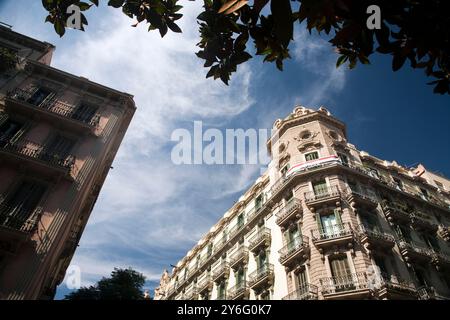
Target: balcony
{"points": [[392, 287], [237, 228], [374, 239], [36, 156], [204, 283], [16, 226], [20, 101], [191, 292], [307, 292], [291, 211], [429, 293], [412, 252], [325, 196], [220, 244], [240, 291], [334, 235], [239, 257], [395, 213], [261, 278], [222, 270], [356, 198], [351, 286], [295, 251], [256, 212], [422, 221], [260, 239]]}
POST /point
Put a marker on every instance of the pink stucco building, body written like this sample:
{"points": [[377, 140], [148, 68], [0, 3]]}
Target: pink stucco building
{"points": [[59, 134]]}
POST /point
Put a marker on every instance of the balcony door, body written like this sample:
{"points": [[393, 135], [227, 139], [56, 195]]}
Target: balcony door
{"points": [[58, 149], [302, 282], [292, 238], [41, 97], [240, 277], [330, 225], [320, 187], [371, 223], [261, 260], [221, 290], [10, 131], [84, 113], [340, 271], [19, 207]]}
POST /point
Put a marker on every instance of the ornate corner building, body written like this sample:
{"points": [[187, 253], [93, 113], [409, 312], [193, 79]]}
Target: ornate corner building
{"points": [[59, 134], [325, 221]]}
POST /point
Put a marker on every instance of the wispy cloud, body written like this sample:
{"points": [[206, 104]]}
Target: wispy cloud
{"points": [[316, 55]]}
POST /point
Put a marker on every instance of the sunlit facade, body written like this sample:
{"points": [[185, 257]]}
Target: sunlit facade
{"points": [[326, 221]]}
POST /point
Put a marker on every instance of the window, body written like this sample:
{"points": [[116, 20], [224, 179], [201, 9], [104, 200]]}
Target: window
{"points": [[221, 290], [404, 233], [9, 130], [240, 277], [371, 222], [58, 149], [353, 186], [398, 183], [261, 261], [379, 261], [330, 225], [340, 271], [258, 201], [41, 97], [84, 113], [240, 220], [320, 187], [284, 170], [344, 159], [210, 249], [431, 242], [302, 281], [20, 206], [292, 236], [312, 156]]}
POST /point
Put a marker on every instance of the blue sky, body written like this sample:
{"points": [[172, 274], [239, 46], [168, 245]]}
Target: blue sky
{"points": [[151, 212]]}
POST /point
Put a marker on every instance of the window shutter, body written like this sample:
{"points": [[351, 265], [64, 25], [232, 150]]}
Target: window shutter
{"points": [[319, 222], [338, 217]]}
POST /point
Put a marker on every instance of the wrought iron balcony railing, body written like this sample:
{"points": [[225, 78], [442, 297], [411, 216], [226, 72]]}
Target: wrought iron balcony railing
{"points": [[322, 195], [331, 232], [372, 233], [240, 255], [204, 282], [300, 243], [56, 107], [32, 150], [344, 283], [222, 269], [261, 274], [262, 237], [306, 292], [291, 208], [239, 290], [18, 218]]}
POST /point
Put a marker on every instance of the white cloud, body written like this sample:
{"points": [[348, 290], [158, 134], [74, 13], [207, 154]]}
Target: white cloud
{"points": [[316, 55]]}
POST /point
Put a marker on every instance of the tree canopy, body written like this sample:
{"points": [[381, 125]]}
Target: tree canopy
{"points": [[416, 31], [8, 59], [123, 284]]}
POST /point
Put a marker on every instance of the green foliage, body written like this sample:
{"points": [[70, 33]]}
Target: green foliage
{"points": [[8, 59], [123, 284], [417, 31]]}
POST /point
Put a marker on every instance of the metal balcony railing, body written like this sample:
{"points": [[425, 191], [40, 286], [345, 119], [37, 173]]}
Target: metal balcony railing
{"points": [[344, 283], [260, 274], [56, 107], [36, 151], [239, 255], [291, 207], [324, 194], [18, 218], [306, 292], [238, 290], [204, 282], [293, 247], [220, 270], [259, 238], [371, 232], [416, 248], [331, 232]]}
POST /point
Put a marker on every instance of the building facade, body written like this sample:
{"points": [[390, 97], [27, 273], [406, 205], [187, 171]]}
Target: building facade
{"points": [[325, 221], [59, 134]]}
